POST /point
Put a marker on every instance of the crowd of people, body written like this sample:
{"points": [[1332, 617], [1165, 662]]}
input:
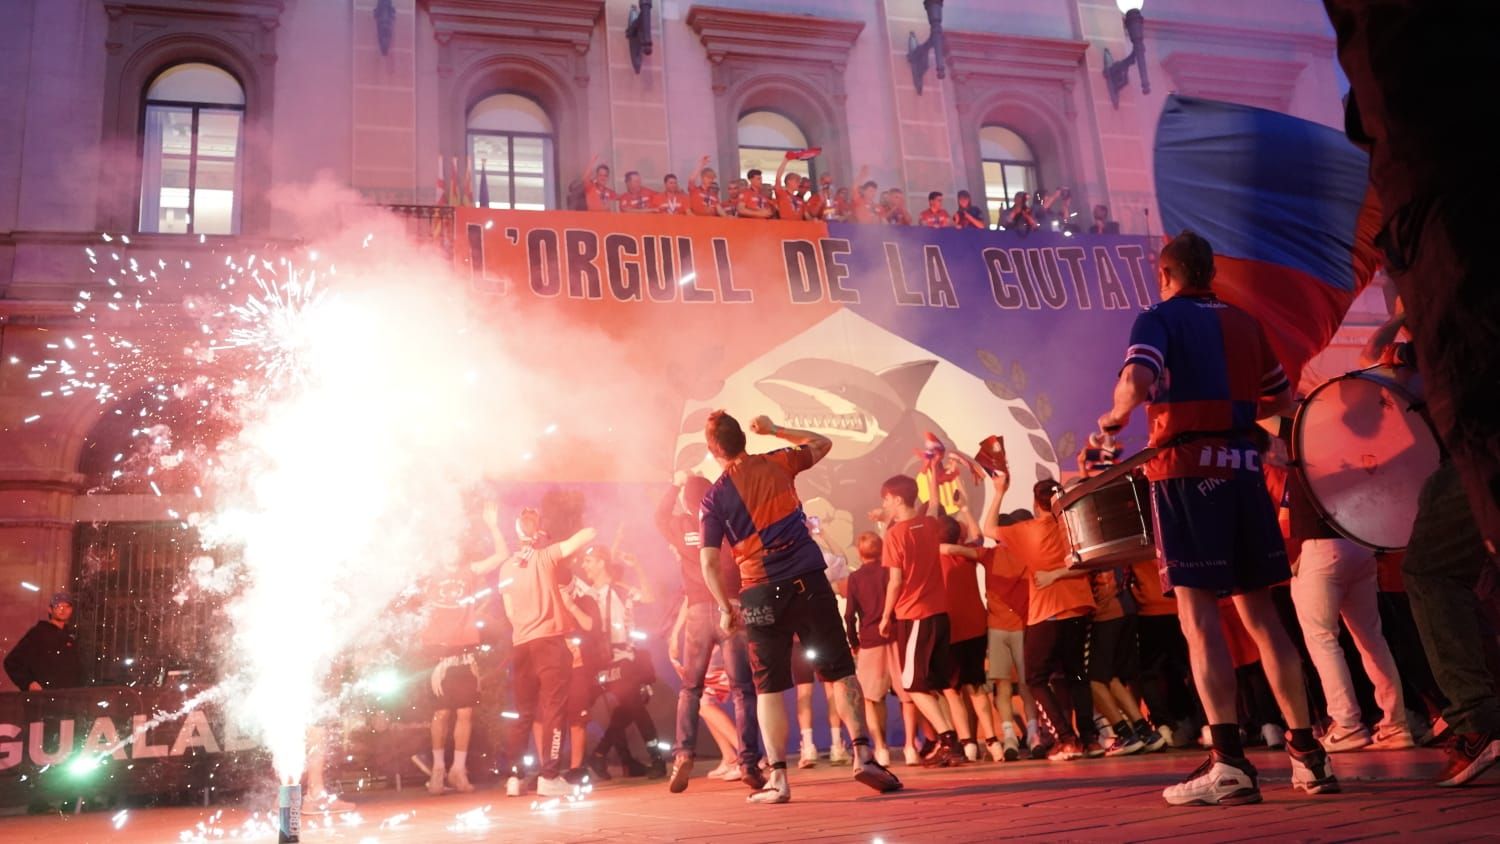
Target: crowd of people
{"points": [[791, 196]]}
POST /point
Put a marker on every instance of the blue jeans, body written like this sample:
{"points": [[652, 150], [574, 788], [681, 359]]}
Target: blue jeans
{"points": [[701, 634]]}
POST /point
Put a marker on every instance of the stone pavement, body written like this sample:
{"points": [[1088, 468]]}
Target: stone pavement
{"points": [[1386, 796]]}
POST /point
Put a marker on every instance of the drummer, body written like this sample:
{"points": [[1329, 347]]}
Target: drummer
{"points": [[1207, 372], [1057, 618]]}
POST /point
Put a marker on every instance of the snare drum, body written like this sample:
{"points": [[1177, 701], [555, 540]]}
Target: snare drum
{"points": [[1107, 519], [1363, 446]]}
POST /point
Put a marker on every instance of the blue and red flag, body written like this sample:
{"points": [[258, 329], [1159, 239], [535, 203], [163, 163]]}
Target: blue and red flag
{"points": [[1288, 207]]}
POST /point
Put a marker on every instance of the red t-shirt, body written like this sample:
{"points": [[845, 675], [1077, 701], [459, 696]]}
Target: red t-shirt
{"points": [[866, 212], [671, 202], [1006, 597], [788, 205], [912, 547], [936, 219], [704, 201], [597, 197], [451, 610], [966, 613], [528, 585], [1038, 545], [752, 198], [898, 217], [1148, 592], [642, 200]]}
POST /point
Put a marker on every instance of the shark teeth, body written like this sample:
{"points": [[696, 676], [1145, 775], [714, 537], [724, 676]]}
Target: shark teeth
{"points": [[854, 422]]}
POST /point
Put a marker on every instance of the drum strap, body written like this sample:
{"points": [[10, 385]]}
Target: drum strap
{"points": [[1193, 436]]}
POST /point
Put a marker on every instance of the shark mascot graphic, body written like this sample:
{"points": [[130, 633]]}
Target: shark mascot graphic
{"points": [[876, 396]]}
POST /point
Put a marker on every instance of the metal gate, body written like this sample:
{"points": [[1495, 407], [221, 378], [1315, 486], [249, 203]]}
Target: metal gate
{"points": [[139, 620]]}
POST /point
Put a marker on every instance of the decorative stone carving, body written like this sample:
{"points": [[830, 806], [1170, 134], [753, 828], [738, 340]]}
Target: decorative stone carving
{"points": [[793, 64]]}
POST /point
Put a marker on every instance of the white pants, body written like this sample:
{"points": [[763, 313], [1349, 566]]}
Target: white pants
{"points": [[1336, 578]]}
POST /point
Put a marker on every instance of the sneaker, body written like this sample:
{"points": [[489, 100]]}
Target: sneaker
{"points": [[1205, 737], [1438, 734], [971, 750], [877, 776], [1153, 740], [1040, 750], [1125, 745], [909, 754], [809, 757], [1338, 739], [1012, 749], [1393, 737], [723, 769], [553, 787], [633, 767], [995, 748], [1469, 755], [883, 756], [1219, 781], [1273, 734], [600, 767], [657, 769], [1093, 750], [682, 769], [945, 756], [1312, 771], [435, 782], [1182, 734], [753, 777], [1065, 751], [839, 753], [776, 790], [513, 787], [458, 780], [576, 776]]}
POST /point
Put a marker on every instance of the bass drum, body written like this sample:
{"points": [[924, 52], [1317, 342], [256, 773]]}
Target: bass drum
{"points": [[1363, 446]]}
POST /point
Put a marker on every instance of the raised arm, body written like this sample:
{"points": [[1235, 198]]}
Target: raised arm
{"points": [[818, 444], [502, 550], [1001, 482], [573, 544], [1131, 391]]}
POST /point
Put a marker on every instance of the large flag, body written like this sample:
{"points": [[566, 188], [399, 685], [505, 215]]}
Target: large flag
{"points": [[1286, 204]]}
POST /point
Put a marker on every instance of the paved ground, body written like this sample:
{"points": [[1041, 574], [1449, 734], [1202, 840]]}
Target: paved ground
{"points": [[1386, 796]]}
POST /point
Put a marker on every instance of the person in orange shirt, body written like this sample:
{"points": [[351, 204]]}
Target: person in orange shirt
{"points": [[966, 617], [1057, 620], [897, 214], [788, 193], [637, 198], [867, 208], [671, 200], [752, 199], [703, 192], [823, 204], [935, 216], [1006, 600], [916, 609], [597, 193]]}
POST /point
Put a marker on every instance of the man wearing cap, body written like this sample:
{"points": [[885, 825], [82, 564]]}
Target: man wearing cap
{"points": [[47, 656]]}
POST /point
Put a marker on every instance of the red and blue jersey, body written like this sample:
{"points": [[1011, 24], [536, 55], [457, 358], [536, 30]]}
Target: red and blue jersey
{"points": [[754, 505], [1212, 364]]}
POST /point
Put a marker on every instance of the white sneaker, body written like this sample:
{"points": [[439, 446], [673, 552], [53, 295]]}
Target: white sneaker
{"points": [[1275, 736], [883, 756], [724, 768], [1393, 737], [1012, 751], [1338, 739], [1216, 782], [996, 749], [435, 782], [839, 753], [731, 774], [458, 779], [553, 787], [971, 751], [910, 755], [809, 756], [513, 787], [777, 790], [1312, 771]]}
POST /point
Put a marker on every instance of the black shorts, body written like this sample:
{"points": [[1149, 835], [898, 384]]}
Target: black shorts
{"points": [[801, 608], [926, 657], [968, 662], [1114, 650], [453, 683], [802, 667], [583, 690]]}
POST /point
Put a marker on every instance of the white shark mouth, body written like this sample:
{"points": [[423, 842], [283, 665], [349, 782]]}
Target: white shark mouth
{"points": [[835, 416], [856, 423]]}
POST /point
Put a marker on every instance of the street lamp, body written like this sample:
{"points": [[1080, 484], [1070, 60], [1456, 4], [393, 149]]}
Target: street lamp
{"points": [[1117, 73], [638, 33], [916, 54]]}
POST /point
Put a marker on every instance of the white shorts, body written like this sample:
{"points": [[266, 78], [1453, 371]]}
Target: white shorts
{"points": [[1006, 660]]}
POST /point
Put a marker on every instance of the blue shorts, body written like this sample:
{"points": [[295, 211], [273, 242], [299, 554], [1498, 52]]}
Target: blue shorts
{"points": [[1218, 535]]}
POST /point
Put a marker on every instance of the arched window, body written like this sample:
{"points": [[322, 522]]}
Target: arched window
{"points": [[511, 146], [190, 168], [1009, 167], [764, 138]]}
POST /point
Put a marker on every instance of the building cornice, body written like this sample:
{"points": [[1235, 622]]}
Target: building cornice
{"points": [[737, 33], [973, 54], [1266, 83], [1241, 37], [570, 22]]}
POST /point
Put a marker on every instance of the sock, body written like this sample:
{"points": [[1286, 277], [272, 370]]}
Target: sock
{"points": [[973, 741], [1226, 740], [779, 766], [1008, 729], [437, 759], [1122, 729], [460, 757], [807, 740], [1301, 740], [948, 738]]}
